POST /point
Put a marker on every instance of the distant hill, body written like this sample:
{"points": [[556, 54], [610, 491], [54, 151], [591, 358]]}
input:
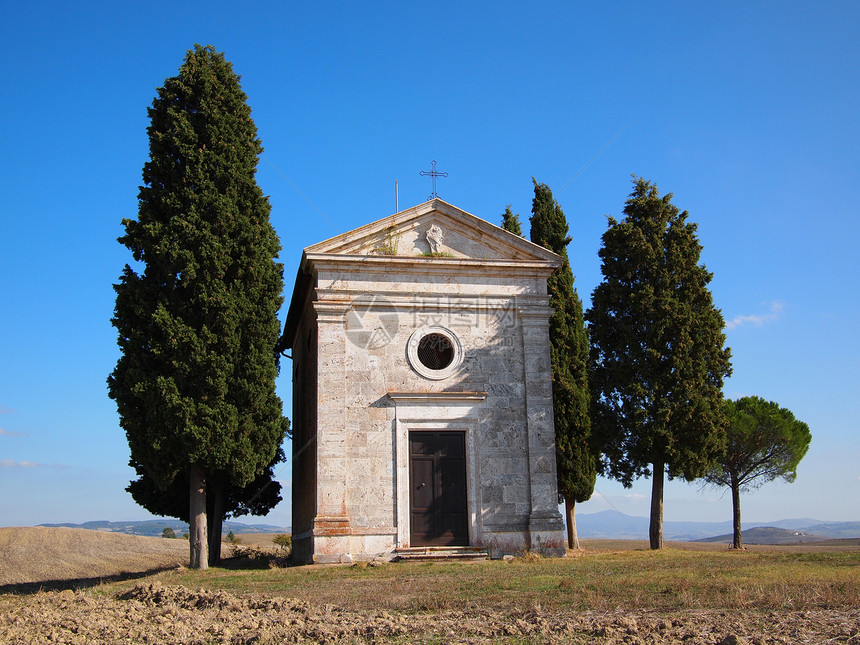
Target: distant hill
{"points": [[836, 529], [615, 525], [606, 525], [769, 535], [154, 528], [612, 525]]}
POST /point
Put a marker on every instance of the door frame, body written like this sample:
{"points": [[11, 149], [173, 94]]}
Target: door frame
{"points": [[436, 412]]}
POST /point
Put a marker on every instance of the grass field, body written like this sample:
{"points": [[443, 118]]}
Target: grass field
{"points": [[605, 576]]}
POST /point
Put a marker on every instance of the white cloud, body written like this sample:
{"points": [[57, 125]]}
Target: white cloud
{"points": [[774, 311], [635, 497], [11, 463], [9, 433]]}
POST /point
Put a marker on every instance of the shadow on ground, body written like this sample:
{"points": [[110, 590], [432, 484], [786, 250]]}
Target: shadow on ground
{"points": [[27, 588]]}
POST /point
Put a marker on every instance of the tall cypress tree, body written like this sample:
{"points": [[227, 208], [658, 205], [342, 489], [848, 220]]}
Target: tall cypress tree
{"points": [[195, 384], [575, 454], [657, 357]]}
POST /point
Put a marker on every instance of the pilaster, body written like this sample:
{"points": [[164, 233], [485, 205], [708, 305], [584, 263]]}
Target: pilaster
{"points": [[545, 522], [332, 524]]}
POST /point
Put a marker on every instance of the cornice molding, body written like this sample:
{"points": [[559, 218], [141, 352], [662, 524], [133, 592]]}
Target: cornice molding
{"points": [[436, 397]]}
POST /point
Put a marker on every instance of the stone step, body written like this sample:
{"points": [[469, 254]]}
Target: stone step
{"points": [[441, 553]]}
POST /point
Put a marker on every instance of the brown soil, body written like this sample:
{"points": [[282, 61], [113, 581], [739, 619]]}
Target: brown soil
{"points": [[153, 613]]}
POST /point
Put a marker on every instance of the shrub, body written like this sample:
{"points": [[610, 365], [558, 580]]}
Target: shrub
{"points": [[260, 558], [284, 542], [436, 254]]}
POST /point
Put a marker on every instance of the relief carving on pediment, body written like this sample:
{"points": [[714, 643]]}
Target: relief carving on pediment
{"points": [[434, 237]]}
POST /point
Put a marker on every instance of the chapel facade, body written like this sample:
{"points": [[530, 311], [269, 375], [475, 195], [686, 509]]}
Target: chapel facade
{"points": [[422, 394]]}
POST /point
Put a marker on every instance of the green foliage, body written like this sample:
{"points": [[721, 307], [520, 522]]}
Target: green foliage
{"points": [[197, 328], [763, 442], [511, 222], [575, 454], [256, 498], [232, 539], [168, 533], [657, 357], [284, 542], [436, 254], [390, 244]]}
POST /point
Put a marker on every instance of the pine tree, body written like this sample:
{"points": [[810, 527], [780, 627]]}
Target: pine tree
{"points": [[511, 222], [763, 442], [657, 357], [195, 383], [575, 455]]}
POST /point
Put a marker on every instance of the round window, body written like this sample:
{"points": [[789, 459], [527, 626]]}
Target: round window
{"points": [[434, 352]]}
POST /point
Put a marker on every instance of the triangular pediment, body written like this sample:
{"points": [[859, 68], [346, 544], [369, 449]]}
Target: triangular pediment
{"points": [[434, 229]]}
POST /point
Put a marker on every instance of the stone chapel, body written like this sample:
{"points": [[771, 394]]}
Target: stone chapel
{"points": [[422, 395]]}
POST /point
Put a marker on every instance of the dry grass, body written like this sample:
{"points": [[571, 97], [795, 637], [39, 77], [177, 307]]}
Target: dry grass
{"points": [[40, 554], [262, 540], [605, 576]]}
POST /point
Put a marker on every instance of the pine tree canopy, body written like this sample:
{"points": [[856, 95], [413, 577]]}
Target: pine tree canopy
{"points": [[197, 317], [657, 345], [764, 442], [575, 456]]}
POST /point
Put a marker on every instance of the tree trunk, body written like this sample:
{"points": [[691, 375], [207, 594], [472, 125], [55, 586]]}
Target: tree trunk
{"points": [[197, 519], [736, 514], [572, 537], [655, 530], [216, 521]]}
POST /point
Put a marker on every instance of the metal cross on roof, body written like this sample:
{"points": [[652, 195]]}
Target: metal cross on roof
{"points": [[433, 173]]}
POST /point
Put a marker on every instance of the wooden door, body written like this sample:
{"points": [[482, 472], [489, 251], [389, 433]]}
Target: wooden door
{"points": [[437, 499]]}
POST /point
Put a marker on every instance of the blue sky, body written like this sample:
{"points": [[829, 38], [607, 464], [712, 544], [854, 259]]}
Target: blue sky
{"points": [[746, 111]]}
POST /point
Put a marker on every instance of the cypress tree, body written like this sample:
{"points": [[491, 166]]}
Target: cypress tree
{"points": [[576, 458], [657, 357], [257, 498], [511, 222], [197, 327]]}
